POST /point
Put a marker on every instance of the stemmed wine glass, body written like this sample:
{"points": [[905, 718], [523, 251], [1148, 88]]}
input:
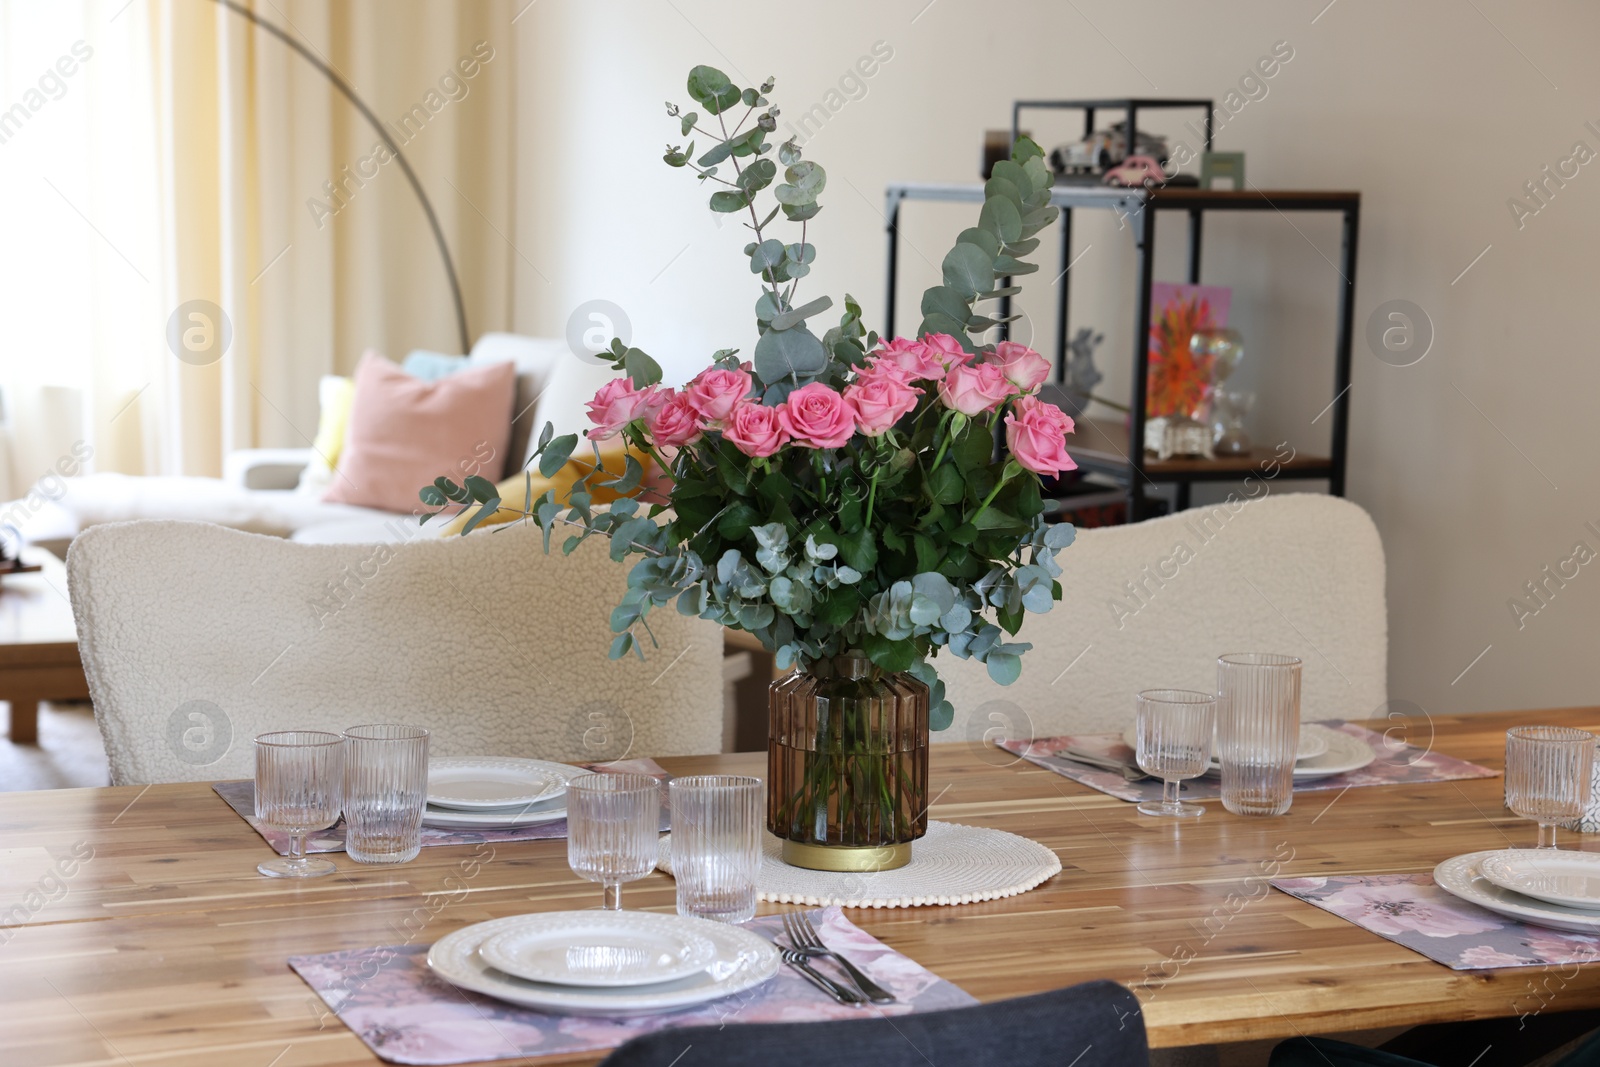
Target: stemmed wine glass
{"points": [[299, 788], [613, 824], [1174, 729], [1548, 771]]}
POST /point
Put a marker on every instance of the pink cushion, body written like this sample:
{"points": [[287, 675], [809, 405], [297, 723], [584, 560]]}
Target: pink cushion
{"points": [[405, 432]]}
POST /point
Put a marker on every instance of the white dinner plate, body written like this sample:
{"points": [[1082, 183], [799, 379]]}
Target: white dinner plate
{"points": [[485, 783], [601, 949], [1556, 876], [527, 815], [1313, 742], [743, 960], [1342, 755], [1461, 877]]}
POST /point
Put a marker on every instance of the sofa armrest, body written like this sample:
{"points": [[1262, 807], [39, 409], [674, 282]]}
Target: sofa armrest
{"points": [[265, 468]]}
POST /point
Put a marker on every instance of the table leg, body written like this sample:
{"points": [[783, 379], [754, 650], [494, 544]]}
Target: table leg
{"points": [[24, 722]]}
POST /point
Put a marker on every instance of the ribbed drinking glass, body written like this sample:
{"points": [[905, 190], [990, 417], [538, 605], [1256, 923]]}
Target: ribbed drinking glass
{"points": [[1174, 728], [716, 845], [1547, 775], [299, 788], [613, 826], [1258, 731], [386, 788]]}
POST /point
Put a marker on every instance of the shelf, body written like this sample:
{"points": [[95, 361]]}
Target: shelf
{"points": [[1166, 198], [1102, 445], [1188, 197]]}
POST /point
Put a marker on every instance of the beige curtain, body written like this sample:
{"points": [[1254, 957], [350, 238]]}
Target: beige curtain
{"points": [[195, 157], [282, 206]]}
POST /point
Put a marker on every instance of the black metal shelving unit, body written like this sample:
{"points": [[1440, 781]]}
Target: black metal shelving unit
{"points": [[1103, 445], [1130, 107]]}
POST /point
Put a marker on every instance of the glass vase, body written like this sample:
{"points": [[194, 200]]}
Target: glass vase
{"points": [[847, 765]]}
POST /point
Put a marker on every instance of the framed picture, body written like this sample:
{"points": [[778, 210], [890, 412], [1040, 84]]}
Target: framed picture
{"points": [[1177, 385]]}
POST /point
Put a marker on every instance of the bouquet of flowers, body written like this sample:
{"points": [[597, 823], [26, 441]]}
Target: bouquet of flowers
{"points": [[837, 492]]}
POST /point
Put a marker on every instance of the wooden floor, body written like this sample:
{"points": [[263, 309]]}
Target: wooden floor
{"points": [[68, 755]]}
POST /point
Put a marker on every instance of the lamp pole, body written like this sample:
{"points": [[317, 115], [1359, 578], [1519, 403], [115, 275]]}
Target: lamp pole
{"points": [[372, 120]]}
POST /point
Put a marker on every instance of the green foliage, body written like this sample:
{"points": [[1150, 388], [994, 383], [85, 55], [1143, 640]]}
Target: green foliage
{"points": [[1016, 206], [905, 545]]}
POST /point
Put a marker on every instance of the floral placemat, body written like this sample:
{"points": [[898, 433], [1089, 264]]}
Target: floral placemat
{"points": [[241, 797], [1410, 910], [391, 1000], [1397, 764]]}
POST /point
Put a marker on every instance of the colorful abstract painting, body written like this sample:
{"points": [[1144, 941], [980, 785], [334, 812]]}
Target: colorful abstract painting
{"points": [[1178, 384]]}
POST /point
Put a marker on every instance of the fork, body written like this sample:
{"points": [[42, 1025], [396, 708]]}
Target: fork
{"points": [[800, 962], [797, 924]]}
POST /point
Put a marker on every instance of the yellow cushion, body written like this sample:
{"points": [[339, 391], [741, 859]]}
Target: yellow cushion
{"points": [[334, 394], [516, 492]]}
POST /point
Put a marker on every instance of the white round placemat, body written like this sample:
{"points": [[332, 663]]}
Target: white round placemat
{"points": [[950, 864]]}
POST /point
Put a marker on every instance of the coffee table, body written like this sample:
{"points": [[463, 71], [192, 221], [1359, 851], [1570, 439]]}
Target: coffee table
{"points": [[38, 644]]}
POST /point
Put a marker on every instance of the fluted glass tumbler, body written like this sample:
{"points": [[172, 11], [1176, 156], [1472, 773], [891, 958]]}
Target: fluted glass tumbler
{"points": [[1174, 728], [299, 788], [716, 845], [1258, 731], [386, 788], [1547, 775], [613, 827]]}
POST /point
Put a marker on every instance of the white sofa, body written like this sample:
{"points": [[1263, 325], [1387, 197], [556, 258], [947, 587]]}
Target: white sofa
{"points": [[257, 492]]}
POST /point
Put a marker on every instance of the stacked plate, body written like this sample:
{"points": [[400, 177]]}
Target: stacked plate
{"points": [[489, 792], [604, 962], [1545, 887], [1323, 752]]}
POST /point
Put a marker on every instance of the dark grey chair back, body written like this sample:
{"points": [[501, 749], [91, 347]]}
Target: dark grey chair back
{"points": [[1097, 1024]]}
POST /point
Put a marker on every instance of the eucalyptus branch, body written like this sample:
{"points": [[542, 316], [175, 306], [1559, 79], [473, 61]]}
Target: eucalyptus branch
{"points": [[767, 273]]}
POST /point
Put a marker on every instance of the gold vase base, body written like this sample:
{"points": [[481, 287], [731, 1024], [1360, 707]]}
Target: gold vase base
{"points": [[865, 859]]}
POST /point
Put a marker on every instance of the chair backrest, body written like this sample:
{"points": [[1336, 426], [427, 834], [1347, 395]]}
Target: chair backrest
{"points": [[196, 638], [1152, 605], [1097, 1024]]}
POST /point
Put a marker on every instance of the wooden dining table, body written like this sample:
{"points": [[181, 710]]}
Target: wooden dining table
{"points": [[136, 930]]}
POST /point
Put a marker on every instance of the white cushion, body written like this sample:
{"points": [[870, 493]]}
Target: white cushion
{"points": [[536, 358]]}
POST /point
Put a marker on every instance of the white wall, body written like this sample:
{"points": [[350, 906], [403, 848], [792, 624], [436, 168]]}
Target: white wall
{"points": [[1477, 462]]}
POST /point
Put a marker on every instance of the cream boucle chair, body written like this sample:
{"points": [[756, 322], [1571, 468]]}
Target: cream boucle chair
{"points": [[1152, 605], [195, 638]]}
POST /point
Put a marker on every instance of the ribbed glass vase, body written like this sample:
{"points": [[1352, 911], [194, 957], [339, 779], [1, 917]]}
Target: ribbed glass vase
{"points": [[847, 765]]}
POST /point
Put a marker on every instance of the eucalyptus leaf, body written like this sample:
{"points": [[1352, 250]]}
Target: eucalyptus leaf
{"points": [[1001, 218], [797, 315], [795, 352], [727, 201], [968, 270], [984, 239], [556, 454], [711, 89]]}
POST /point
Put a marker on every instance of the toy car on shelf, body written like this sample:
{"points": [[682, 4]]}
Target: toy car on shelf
{"points": [[1104, 149], [1137, 170]]}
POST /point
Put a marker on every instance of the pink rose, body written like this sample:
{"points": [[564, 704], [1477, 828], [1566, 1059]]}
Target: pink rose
{"points": [[1036, 434], [946, 349], [915, 359], [879, 401], [972, 390], [676, 424], [755, 430], [1026, 368], [715, 391], [618, 403], [815, 415]]}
